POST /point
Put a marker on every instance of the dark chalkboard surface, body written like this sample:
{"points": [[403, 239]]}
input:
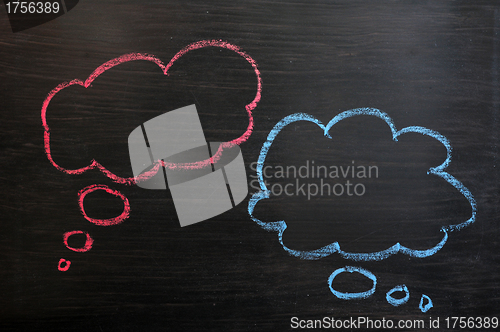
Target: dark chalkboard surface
{"points": [[413, 91]]}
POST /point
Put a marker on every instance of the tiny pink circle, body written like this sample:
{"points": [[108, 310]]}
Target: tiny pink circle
{"points": [[66, 267]]}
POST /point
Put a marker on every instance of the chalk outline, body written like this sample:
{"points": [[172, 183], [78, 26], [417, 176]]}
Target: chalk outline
{"points": [[66, 267], [104, 222], [398, 302], [428, 306], [86, 247], [148, 57], [353, 296], [280, 226]]}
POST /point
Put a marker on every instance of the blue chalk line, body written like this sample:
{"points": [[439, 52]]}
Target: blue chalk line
{"points": [[352, 296], [280, 226], [398, 302], [429, 305]]}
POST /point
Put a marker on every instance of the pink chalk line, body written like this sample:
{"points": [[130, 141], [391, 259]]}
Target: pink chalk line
{"points": [[87, 246], [104, 222], [66, 266], [148, 57]]}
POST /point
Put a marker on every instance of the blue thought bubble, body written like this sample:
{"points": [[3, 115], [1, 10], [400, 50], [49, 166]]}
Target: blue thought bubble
{"points": [[280, 226]]}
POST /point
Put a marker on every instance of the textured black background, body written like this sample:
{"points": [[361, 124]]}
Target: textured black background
{"points": [[426, 63]]}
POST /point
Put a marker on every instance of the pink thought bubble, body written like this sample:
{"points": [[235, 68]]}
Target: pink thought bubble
{"points": [[165, 68]]}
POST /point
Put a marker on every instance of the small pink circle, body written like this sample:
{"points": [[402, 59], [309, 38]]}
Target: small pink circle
{"points": [[104, 222], [88, 242], [65, 267]]}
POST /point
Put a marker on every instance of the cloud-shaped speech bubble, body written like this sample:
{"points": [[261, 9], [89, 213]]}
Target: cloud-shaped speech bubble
{"points": [[280, 226], [164, 68]]}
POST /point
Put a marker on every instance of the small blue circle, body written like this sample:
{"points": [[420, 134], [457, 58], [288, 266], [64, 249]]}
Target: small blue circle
{"points": [[425, 308], [352, 296], [398, 302]]}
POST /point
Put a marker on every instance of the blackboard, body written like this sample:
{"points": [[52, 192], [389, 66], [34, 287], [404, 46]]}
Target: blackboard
{"points": [[412, 88]]}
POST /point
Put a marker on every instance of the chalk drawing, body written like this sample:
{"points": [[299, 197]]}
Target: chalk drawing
{"points": [[352, 296], [64, 267], [104, 222], [280, 226], [86, 247], [397, 302], [427, 306], [64, 264], [164, 68]]}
